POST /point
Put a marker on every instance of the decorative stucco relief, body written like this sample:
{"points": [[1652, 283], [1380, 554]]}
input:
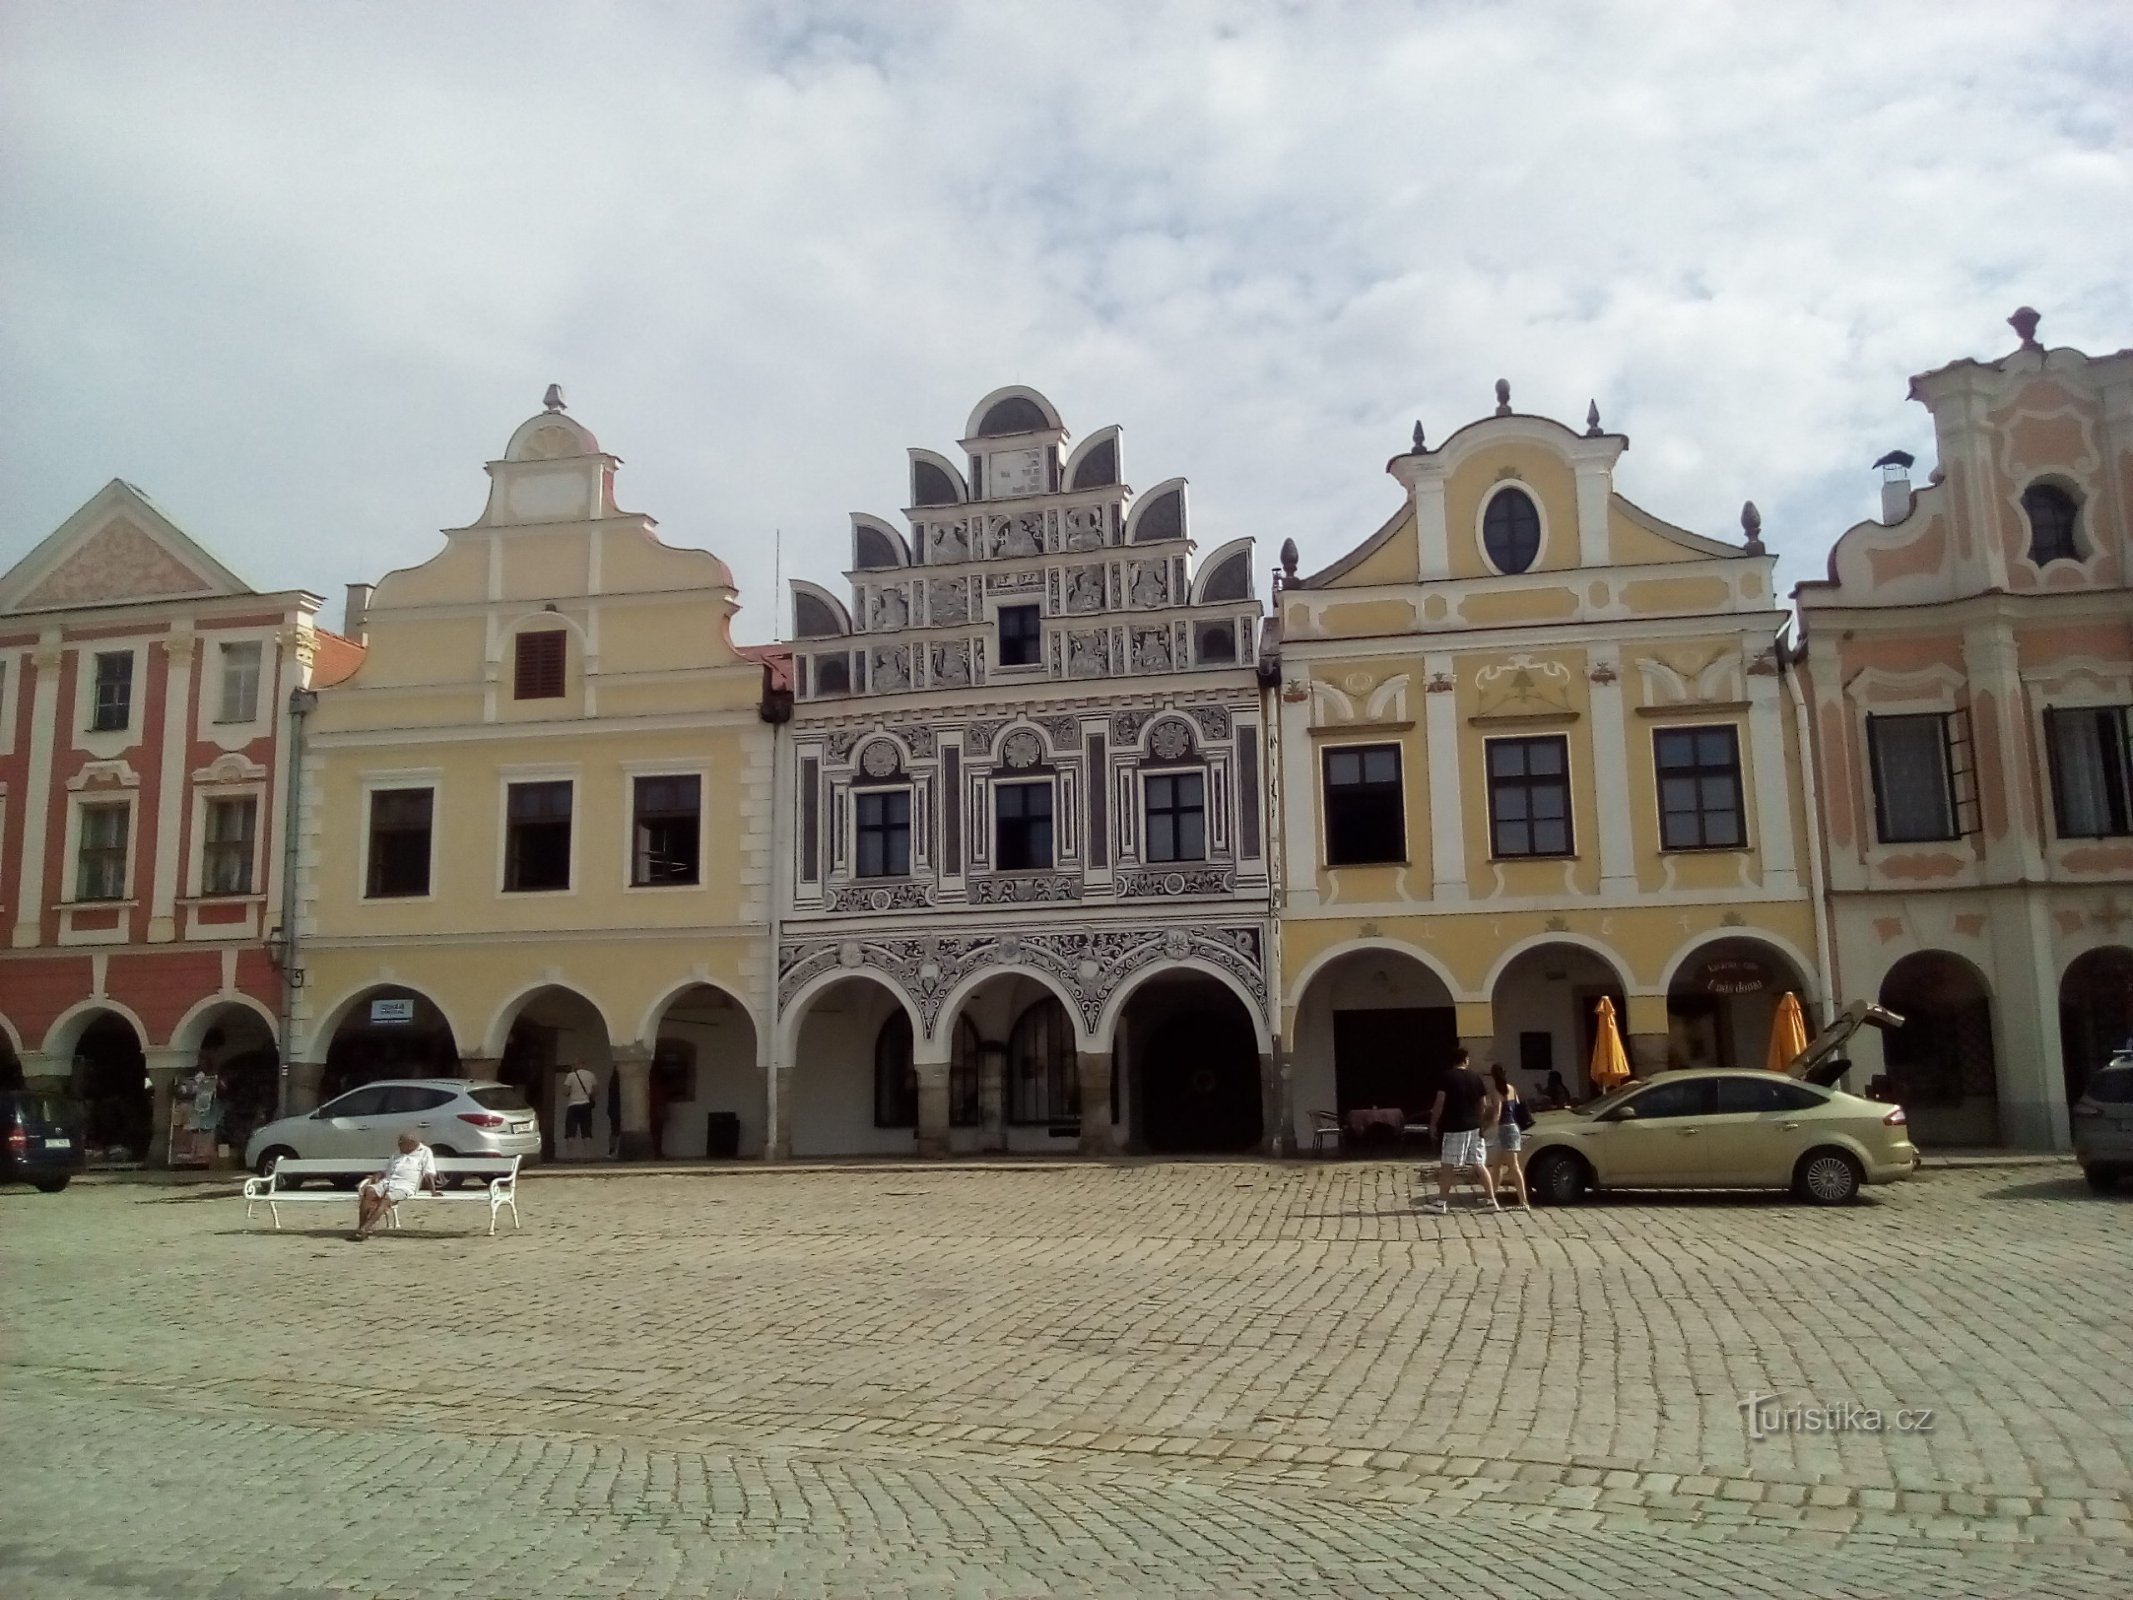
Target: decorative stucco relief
{"points": [[122, 562]]}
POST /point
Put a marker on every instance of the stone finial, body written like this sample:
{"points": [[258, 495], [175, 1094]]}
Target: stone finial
{"points": [[1503, 397], [1420, 446], [1592, 420], [1289, 557], [553, 399], [2024, 322], [1751, 524]]}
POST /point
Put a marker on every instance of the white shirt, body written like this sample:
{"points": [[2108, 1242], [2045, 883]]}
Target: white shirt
{"points": [[410, 1169], [580, 1085]]}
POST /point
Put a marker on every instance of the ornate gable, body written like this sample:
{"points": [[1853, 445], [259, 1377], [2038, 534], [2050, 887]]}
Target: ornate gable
{"points": [[115, 549]]}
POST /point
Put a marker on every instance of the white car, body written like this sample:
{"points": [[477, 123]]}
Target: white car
{"points": [[453, 1116]]}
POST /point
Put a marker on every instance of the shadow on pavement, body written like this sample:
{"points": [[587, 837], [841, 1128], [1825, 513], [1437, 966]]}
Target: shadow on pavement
{"points": [[2061, 1189]]}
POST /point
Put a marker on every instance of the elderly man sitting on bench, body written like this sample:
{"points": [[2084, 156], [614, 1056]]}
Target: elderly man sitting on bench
{"points": [[408, 1171]]}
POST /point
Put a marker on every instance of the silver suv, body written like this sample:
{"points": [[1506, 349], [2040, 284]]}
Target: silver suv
{"points": [[453, 1116], [2103, 1124]]}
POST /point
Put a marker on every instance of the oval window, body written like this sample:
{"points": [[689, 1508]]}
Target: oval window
{"points": [[1511, 530]]}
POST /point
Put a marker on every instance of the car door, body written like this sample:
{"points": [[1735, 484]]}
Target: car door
{"points": [[1654, 1139], [414, 1108], [349, 1126], [1758, 1130]]}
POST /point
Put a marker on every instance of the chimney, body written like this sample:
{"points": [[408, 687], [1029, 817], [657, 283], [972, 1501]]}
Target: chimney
{"points": [[1895, 486], [355, 621]]}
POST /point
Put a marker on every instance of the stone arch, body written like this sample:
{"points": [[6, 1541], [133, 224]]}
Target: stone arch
{"points": [[1106, 1031], [1585, 942], [1015, 409], [828, 1035], [1943, 1063], [68, 1027], [192, 1028], [334, 1017], [649, 1022], [952, 1003], [1545, 1011], [1726, 1019], [10, 1036], [515, 1004], [792, 1012], [1160, 514], [1094, 463], [1225, 574], [1369, 1025], [1688, 948], [2095, 1011], [1326, 958]]}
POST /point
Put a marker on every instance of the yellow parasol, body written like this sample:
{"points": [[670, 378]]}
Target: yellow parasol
{"points": [[1788, 1033], [1610, 1063]]}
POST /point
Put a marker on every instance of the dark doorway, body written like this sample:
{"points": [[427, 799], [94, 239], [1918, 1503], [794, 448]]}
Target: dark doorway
{"points": [[388, 1033], [1198, 1075], [2095, 1013], [110, 1079], [1940, 1062], [1392, 1057]]}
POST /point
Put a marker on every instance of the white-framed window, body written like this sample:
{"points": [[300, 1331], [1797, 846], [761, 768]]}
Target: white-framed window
{"points": [[1925, 783], [2090, 749], [237, 699], [666, 829], [102, 852], [399, 840], [1529, 797], [111, 674], [1700, 798], [229, 844], [539, 817], [1174, 815], [1022, 826], [1513, 529], [881, 832]]}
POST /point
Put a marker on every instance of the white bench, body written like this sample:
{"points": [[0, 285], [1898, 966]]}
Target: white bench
{"points": [[276, 1189]]}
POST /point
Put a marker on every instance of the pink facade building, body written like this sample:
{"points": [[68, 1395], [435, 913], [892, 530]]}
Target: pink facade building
{"points": [[143, 709], [1968, 667]]}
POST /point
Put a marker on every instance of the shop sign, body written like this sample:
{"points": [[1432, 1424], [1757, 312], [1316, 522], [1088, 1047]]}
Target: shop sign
{"points": [[1734, 975], [392, 1011]]}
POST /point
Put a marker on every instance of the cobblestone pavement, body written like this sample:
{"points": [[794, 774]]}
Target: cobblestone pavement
{"points": [[1221, 1379]]}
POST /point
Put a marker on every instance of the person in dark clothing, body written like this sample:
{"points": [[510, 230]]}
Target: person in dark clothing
{"points": [[614, 1112], [1465, 1108]]}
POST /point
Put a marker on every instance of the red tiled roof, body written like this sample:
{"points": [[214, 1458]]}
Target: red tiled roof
{"points": [[334, 659], [776, 659]]}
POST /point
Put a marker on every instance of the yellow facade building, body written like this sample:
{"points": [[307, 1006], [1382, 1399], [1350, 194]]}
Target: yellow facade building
{"points": [[537, 821], [1537, 750]]}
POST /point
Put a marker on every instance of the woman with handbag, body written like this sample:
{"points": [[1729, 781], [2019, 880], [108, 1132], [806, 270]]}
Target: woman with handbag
{"points": [[1507, 1137]]}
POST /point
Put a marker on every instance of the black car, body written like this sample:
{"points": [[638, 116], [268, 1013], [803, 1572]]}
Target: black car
{"points": [[40, 1139]]}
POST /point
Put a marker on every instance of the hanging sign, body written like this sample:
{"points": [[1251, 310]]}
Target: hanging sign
{"points": [[1734, 975], [392, 1011]]}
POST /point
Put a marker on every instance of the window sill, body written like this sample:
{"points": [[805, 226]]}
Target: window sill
{"points": [[1562, 855], [1705, 849], [238, 898], [411, 897], [694, 883], [534, 894], [98, 905], [1399, 861]]}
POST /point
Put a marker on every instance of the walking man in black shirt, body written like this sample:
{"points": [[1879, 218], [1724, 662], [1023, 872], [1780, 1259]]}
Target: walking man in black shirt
{"points": [[1464, 1107]]}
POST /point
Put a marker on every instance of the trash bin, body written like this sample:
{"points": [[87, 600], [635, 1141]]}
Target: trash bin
{"points": [[722, 1136]]}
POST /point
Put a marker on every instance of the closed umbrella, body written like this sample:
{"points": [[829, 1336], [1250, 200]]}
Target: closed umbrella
{"points": [[1788, 1033], [1610, 1062]]}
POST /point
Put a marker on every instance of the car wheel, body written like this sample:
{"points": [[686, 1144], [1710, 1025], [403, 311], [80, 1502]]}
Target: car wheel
{"points": [[270, 1159], [2102, 1179], [50, 1185], [451, 1180], [1828, 1177], [1558, 1178]]}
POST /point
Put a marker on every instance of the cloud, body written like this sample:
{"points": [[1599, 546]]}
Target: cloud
{"points": [[299, 271]]}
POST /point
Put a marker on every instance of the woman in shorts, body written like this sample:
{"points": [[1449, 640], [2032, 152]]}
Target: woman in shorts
{"points": [[1507, 1138]]}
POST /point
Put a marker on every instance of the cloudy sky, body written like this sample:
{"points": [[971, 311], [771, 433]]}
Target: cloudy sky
{"points": [[298, 270]]}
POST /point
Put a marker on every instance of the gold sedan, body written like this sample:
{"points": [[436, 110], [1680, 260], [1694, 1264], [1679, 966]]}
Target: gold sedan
{"points": [[1720, 1129]]}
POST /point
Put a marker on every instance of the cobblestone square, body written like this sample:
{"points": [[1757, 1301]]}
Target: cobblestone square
{"points": [[1151, 1379]]}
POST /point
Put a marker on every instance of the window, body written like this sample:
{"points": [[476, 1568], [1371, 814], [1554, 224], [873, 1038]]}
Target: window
{"points": [[966, 1092], [2052, 514], [1021, 636], [1177, 816], [1763, 1092], [537, 669], [1022, 814], [1691, 1097], [667, 838], [1042, 1085], [1699, 788], [368, 1102], [1923, 783], [1365, 819], [405, 1099], [399, 842], [226, 850], [1511, 530], [896, 1079], [2091, 753], [833, 675], [884, 829], [100, 871], [1529, 796], [114, 692], [240, 682], [537, 837]]}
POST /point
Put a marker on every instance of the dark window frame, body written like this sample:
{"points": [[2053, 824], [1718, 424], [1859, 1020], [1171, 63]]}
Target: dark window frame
{"points": [[540, 664], [1957, 772], [2053, 513], [2114, 745], [244, 666], [1021, 645], [100, 868], [391, 850], [885, 836], [666, 833], [1365, 816], [537, 837], [1183, 818], [111, 692], [1699, 772], [1026, 825], [1528, 786], [226, 863], [1505, 535]]}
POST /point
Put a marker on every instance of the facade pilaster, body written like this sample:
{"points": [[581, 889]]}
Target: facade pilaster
{"points": [[167, 843], [42, 731]]}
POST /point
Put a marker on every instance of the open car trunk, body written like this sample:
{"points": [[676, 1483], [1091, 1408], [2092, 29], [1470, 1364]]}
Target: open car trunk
{"points": [[1823, 1062]]}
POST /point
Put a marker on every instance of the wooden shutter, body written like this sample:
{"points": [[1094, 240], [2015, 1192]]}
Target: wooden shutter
{"points": [[538, 669]]}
